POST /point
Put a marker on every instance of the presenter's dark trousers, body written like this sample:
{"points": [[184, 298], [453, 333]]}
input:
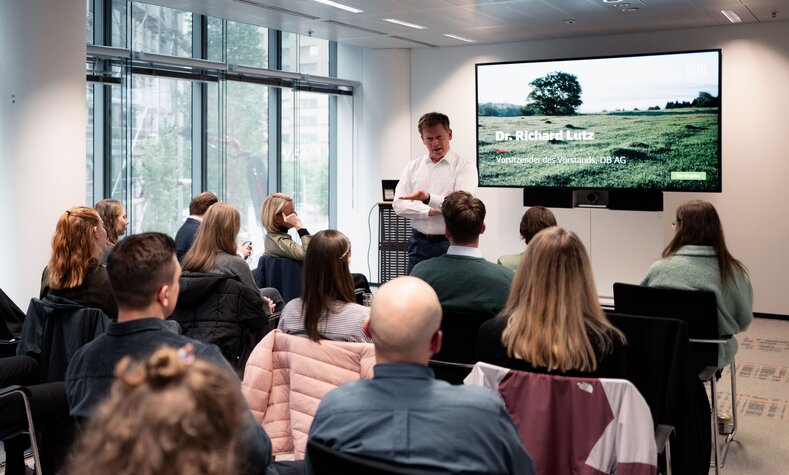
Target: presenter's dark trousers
{"points": [[422, 247]]}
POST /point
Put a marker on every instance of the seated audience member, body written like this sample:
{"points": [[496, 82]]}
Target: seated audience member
{"points": [[534, 220], [553, 322], [697, 259], [214, 250], [74, 271], [278, 216], [186, 233], [113, 215], [144, 275], [167, 414], [404, 415], [462, 278], [327, 308]]}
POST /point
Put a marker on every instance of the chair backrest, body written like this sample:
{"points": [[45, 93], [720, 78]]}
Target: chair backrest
{"points": [[280, 273], [697, 308], [659, 365], [575, 425], [221, 310], [54, 329], [460, 328], [453, 373], [327, 461]]}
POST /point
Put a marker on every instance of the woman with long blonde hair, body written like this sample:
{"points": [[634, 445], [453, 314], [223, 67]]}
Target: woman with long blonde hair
{"points": [[75, 271], [697, 259], [168, 414], [553, 322], [214, 250]]}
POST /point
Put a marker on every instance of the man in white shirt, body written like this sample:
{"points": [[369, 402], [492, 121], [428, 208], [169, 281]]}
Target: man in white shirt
{"points": [[425, 182]]}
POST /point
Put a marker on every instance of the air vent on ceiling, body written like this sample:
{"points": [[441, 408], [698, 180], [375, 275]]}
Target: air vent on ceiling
{"points": [[353, 27], [277, 9], [413, 41]]}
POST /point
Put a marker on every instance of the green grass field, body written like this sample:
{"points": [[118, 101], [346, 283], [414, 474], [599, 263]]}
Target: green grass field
{"points": [[629, 150]]}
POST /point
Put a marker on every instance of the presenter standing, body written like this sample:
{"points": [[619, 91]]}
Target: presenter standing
{"points": [[425, 182]]}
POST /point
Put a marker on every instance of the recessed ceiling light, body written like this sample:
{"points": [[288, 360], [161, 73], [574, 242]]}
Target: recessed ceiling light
{"points": [[629, 9], [340, 6], [567, 21], [457, 37], [405, 23], [733, 17], [611, 1]]}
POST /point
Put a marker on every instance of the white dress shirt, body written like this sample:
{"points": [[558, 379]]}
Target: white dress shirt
{"points": [[451, 173]]}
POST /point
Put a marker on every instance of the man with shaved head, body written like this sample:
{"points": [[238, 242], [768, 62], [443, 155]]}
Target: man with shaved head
{"points": [[404, 415]]}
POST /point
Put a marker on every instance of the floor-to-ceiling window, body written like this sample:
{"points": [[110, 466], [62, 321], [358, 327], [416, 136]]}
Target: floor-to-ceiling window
{"points": [[196, 103]]}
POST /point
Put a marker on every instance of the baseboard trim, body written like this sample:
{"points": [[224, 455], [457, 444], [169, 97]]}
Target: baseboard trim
{"points": [[771, 316]]}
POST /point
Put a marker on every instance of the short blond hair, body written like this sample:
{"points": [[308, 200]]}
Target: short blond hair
{"points": [[272, 206], [553, 306]]}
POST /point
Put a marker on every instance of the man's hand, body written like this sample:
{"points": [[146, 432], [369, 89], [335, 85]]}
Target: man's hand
{"points": [[292, 220], [433, 212], [419, 195]]}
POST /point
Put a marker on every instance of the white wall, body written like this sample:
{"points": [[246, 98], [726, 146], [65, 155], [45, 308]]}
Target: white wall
{"points": [[42, 132], [380, 128], [755, 162]]}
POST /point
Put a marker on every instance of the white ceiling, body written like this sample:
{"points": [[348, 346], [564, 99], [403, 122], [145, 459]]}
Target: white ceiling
{"points": [[485, 21]]}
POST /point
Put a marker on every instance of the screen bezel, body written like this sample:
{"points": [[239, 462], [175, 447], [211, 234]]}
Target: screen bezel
{"points": [[717, 189]]}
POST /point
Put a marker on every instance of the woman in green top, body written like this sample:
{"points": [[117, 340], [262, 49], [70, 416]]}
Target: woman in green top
{"points": [[697, 259], [534, 220]]}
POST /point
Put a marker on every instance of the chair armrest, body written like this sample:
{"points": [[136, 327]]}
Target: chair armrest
{"points": [[716, 341], [662, 434], [707, 373], [9, 389]]}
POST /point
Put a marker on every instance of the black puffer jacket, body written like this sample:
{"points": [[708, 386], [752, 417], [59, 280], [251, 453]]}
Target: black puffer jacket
{"points": [[219, 309]]}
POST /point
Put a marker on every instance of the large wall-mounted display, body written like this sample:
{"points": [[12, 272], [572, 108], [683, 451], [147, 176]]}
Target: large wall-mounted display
{"points": [[646, 122]]}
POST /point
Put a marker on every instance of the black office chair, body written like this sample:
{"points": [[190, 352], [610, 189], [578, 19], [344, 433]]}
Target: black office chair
{"points": [[23, 394], [280, 273], [327, 461], [658, 365], [460, 328], [699, 310]]}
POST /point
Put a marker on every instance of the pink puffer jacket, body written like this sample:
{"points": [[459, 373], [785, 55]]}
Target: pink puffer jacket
{"points": [[287, 376]]}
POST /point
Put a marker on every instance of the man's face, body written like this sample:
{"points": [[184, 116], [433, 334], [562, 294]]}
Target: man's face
{"points": [[436, 138]]}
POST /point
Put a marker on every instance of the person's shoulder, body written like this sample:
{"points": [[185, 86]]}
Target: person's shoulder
{"points": [[96, 346], [293, 307], [344, 397], [496, 269], [471, 398]]}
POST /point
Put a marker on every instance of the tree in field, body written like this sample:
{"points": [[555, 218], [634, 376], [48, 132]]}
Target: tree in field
{"points": [[557, 93], [705, 99]]}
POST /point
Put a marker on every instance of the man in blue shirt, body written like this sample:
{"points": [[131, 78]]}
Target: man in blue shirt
{"points": [[404, 415]]}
